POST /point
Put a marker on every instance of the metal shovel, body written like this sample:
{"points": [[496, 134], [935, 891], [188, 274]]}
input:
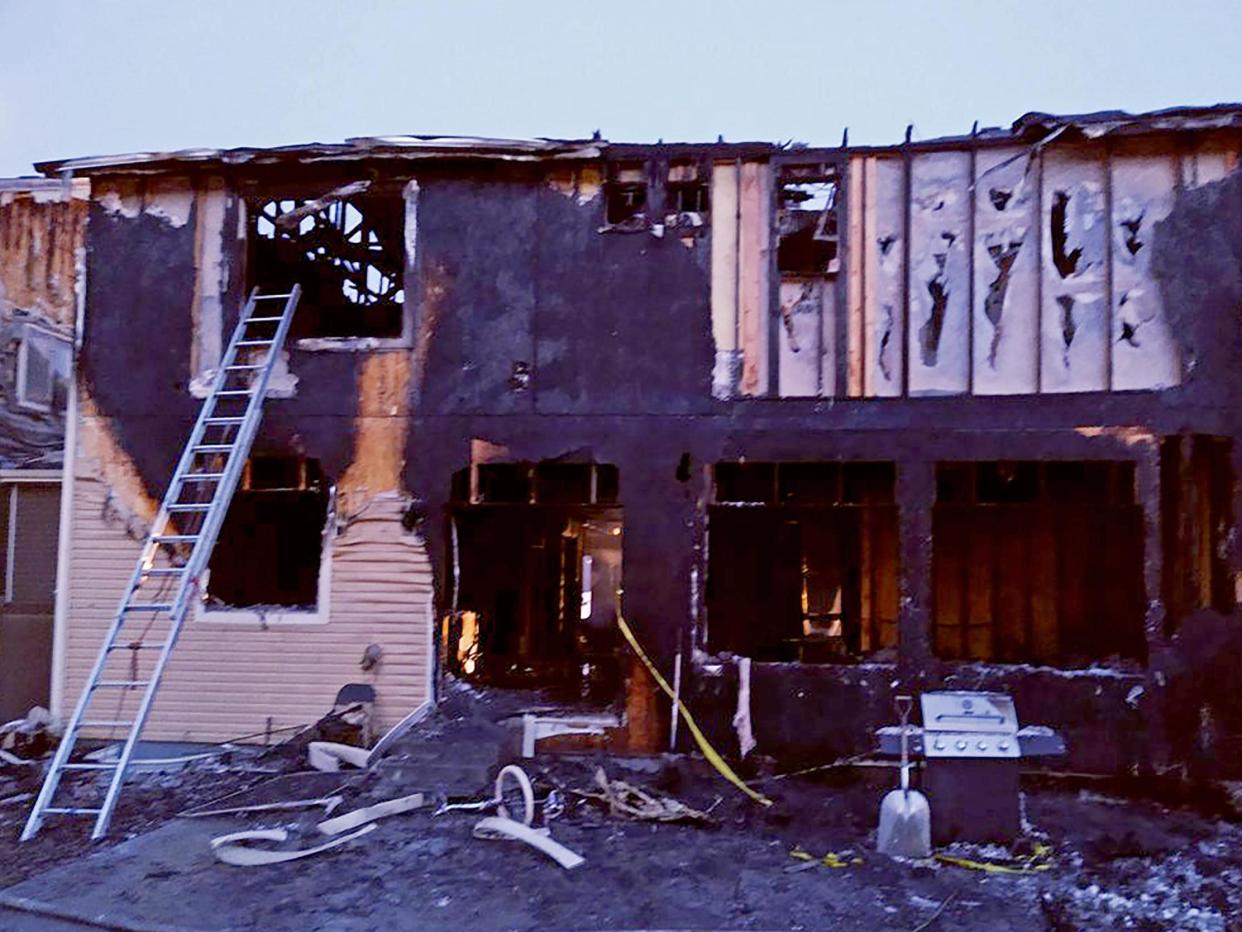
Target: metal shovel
{"points": [[905, 817]]}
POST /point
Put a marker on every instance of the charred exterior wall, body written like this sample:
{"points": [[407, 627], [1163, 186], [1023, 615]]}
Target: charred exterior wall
{"points": [[549, 323], [570, 339], [613, 328], [165, 279]]}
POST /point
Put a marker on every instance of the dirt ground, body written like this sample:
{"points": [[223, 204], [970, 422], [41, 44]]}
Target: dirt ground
{"points": [[1115, 862]]}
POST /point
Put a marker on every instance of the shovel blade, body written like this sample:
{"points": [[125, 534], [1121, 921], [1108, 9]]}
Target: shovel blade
{"points": [[905, 825]]}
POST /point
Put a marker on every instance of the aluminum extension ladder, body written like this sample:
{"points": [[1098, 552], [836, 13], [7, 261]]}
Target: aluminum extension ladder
{"points": [[175, 553]]}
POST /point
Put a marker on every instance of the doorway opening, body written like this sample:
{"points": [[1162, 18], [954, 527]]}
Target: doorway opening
{"points": [[535, 558]]}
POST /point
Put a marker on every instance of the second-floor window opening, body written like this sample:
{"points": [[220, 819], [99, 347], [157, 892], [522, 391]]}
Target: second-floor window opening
{"points": [[347, 254], [626, 194], [807, 221]]}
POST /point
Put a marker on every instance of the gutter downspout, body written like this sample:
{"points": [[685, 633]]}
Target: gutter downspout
{"points": [[64, 539]]}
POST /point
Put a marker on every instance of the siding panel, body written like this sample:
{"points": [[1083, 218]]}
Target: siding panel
{"points": [[229, 679]]}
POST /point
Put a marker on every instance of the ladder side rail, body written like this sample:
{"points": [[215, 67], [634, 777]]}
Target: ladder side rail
{"points": [[202, 549], [194, 565], [70, 736], [186, 461], [245, 438]]}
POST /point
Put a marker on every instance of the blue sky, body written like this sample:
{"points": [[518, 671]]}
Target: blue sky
{"points": [[89, 78]]}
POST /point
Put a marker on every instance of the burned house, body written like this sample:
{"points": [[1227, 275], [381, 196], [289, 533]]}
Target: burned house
{"points": [[42, 222], [948, 412]]}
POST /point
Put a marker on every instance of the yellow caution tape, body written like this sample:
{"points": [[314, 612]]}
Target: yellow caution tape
{"points": [[831, 859], [1039, 860], [708, 751]]}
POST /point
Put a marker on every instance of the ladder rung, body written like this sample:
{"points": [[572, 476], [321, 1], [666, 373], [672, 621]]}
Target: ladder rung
{"points": [[254, 342], [202, 477], [135, 647], [88, 766], [69, 810], [223, 420], [190, 506], [123, 684], [213, 447], [149, 607], [273, 297], [173, 538], [104, 724], [263, 320], [241, 368], [164, 571], [231, 392]]}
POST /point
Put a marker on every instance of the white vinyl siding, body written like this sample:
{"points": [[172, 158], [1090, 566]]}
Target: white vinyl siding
{"points": [[231, 679]]}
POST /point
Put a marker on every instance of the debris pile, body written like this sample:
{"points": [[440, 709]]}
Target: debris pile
{"points": [[25, 740], [628, 801]]}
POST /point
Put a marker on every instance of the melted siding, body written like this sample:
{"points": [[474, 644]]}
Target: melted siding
{"points": [[40, 238]]}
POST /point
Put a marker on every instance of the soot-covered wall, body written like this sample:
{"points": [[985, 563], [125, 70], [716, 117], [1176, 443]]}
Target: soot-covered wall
{"points": [[136, 360], [593, 345], [548, 337]]}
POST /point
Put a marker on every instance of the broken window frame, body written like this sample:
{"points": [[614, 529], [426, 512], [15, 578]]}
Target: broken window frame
{"points": [[688, 175], [330, 193], [206, 613], [471, 485]]}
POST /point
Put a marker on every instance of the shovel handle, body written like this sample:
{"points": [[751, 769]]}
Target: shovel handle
{"points": [[904, 704]]}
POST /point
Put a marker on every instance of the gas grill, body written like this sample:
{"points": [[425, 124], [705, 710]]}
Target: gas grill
{"points": [[971, 748]]}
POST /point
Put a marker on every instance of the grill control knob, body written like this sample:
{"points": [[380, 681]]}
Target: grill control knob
{"points": [[961, 745], [1004, 745], [982, 745], [938, 745]]}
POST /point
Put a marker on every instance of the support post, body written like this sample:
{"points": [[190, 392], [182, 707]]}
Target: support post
{"points": [[1154, 709], [916, 495], [1147, 493]]}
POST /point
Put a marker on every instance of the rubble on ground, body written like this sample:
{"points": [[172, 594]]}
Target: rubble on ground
{"points": [[1089, 859]]}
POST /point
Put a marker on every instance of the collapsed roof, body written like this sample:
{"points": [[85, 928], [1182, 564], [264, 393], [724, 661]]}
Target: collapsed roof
{"points": [[1029, 127]]}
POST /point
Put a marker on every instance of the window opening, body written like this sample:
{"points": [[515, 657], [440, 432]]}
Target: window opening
{"points": [[348, 255], [42, 378], [537, 562], [626, 196], [30, 530], [270, 547], [1038, 562], [807, 221], [685, 193], [802, 562]]}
